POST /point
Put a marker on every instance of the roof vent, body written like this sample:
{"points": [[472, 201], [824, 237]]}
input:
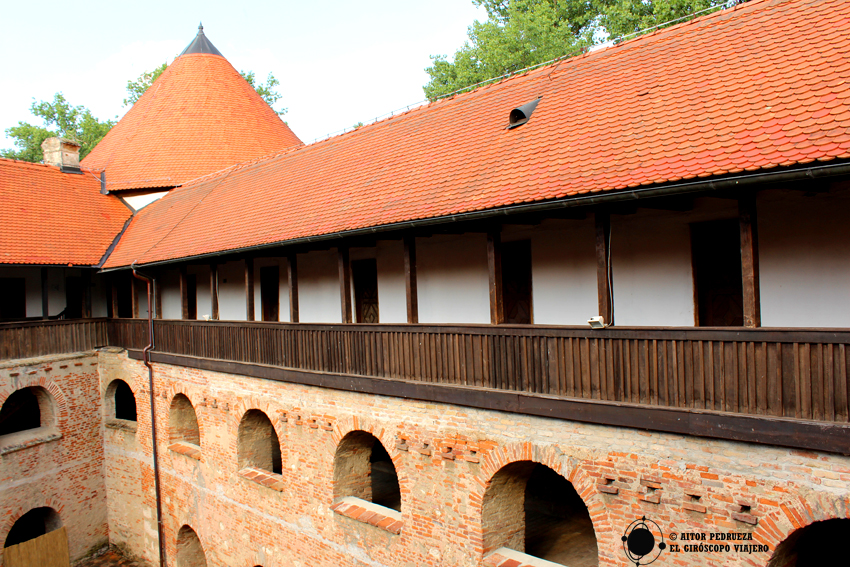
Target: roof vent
{"points": [[62, 153], [520, 116]]}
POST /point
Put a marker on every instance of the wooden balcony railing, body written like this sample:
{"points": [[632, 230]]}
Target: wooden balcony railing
{"points": [[783, 373], [798, 374]]}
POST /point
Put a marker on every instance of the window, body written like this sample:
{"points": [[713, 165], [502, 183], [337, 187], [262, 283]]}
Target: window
{"points": [[364, 274], [364, 469], [516, 281], [13, 298], [270, 293], [257, 443], [718, 288], [530, 508], [120, 401], [20, 412]]}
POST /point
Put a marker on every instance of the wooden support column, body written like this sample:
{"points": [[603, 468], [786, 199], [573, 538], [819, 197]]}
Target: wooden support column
{"points": [[157, 295], [113, 285], [345, 283], [134, 290], [86, 284], [45, 294], [214, 291], [249, 288], [494, 265], [292, 276], [603, 269], [410, 279], [184, 293], [750, 260]]}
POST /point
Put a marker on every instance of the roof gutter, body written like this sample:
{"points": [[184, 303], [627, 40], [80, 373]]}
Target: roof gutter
{"points": [[602, 198]]}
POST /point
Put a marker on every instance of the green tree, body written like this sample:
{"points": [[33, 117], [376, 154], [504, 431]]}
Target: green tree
{"points": [[522, 33], [60, 119], [266, 90]]}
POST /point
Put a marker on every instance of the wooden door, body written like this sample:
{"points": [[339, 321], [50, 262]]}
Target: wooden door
{"points": [[49, 550]]}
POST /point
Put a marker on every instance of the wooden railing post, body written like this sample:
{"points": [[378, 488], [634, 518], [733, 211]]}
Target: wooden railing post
{"points": [[410, 288], [184, 292], [750, 260], [135, 292], [494, 267], [603, 268], [249, 288], [345, 283], [292, 276], [157, 295], [45, 294], [214, 291]]}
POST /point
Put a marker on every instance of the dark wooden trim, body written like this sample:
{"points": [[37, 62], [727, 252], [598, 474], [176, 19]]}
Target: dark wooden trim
{"points": [[45, 295], [292, 277], [85, 278], [603, 269], [748, 221], [694, 275], [157, 295], [410, 285], [134, 290], [345, 283], [113, 288], [249, 288], [494, 268], [184, 292], [799, 434], [214, 291]]}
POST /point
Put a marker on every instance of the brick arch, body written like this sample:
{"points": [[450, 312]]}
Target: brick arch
{"points": [[204, 547], [346, 425], [15, 514], [195, 398], [238, 411], [798, 512], [58, 399], [550, 456]]}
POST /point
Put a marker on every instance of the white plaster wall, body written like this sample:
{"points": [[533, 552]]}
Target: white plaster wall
{"points": [[563, 270], [169, 281], [55, 291], [318, 287], [392, 296], [283, 287], [652, 276], [804, 256], [453, 283], [101, 295], [231, 291], [142, 294], [202, 273]]}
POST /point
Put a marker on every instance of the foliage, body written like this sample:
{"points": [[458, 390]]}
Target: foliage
{"points": [[60, 119], [138, 87], [265, 90], [522, 33]]}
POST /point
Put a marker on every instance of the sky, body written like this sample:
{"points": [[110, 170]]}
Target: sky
{"points": [[338, 62]]}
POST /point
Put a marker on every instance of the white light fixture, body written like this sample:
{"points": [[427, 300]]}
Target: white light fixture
{"points": [[597, 322]]}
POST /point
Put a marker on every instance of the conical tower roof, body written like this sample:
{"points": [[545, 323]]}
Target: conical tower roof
{"points": [[199, 116]]}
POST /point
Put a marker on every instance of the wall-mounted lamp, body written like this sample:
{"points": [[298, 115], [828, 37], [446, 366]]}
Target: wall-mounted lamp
{"points": [[597, 322]]}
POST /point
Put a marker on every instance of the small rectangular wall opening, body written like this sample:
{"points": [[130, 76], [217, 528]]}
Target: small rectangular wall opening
{"points": [[364, 274], [516, 281], [270, 293], [718, 289]]}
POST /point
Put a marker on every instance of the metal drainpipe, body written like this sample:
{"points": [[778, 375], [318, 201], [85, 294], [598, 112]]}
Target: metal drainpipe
{"points": [[146, 352]]}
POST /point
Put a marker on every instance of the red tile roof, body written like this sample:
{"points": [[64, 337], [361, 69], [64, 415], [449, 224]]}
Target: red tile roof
{"points": [[50, 217], [764, 85], [198, 117]]}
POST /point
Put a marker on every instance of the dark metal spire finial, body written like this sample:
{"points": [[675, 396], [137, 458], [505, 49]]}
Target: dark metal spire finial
{"points": [[201, 44]]}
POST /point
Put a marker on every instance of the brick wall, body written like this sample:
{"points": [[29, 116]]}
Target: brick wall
{"points": [[445, 457], [60, 465]]}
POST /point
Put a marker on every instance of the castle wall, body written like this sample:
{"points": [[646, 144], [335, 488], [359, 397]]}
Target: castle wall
{"points": [[250, 518]]}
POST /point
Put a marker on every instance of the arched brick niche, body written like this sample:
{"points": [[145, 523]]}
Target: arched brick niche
{"points": [[257, 443], [363, 469], [27, 409], [35, 523], [819, 543], [120, 402], [183, 421], [530, 508], [190, 552]]}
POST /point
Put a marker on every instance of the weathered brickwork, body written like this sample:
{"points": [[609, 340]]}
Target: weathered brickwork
{"points": [[59, 465], [445, 457]]}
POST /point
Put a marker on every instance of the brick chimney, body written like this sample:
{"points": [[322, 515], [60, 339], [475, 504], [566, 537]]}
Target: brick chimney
{"points": [[65, 154]]}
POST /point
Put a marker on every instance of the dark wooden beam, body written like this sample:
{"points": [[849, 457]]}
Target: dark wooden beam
{"points": [[214, 290], [45, 294], [113, 285], [86, 283], [603, 269], [345, 283], [157, 295], [134, 290], [750, 260], [249, 288], [292, 276], [184, 292], [410, 288], [494, 266]]}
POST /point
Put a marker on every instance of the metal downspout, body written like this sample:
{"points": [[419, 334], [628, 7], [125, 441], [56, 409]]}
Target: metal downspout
{"points": [[146, 352]]}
